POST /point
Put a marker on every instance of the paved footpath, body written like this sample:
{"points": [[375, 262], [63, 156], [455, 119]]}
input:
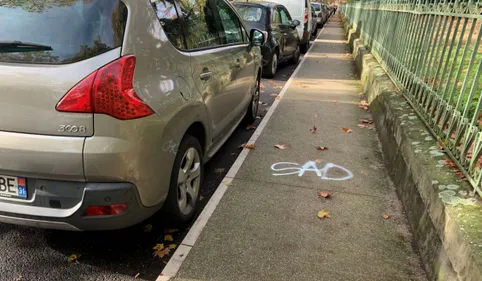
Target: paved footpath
{"points": [[266, 226]]}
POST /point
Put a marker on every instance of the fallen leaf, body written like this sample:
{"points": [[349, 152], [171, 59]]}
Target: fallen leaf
{"points": [[172, 230], [346, 130], [201, 198], [172, 246], [162, 253], [361, 125], [281, 146], [137, 275], [228, 184], [148, 228], [365, 121], [250, 127], [301, 85], [318, 161], [261, 85], [158, 247], [363, 107], [278, 87], [313, 130], [364, 103], [321, 148], [316, 115], [168, 238], [274, 95], [248, 146], [219, 170], [73, 257], [277, 97], [323, 214], [324, 194], [19, 278], [334, 101], [386, 217]]}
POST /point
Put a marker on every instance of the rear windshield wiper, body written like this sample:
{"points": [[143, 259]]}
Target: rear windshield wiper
{"points": [[19, 46]]}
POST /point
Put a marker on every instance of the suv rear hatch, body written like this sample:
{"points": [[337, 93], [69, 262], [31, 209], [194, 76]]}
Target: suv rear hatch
{"points": [[46, 49]]}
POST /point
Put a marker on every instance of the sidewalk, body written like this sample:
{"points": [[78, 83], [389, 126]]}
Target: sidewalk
{"points": [[266, 227]]}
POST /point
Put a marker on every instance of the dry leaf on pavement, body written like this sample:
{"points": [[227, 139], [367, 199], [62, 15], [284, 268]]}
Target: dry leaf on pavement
{"points": [[261, 85], [364, 103], [201, 198], [321, 148], [323, 214], [386, 217], [316, 115], [274, 95], [19, 278], [281, 146], [137, 275], [361, 126], [365, 121], [172, 246], [172, 230], [346, 130], [318, 161], [248, 146], [219, 170], [250, 127], [228, 184], [325, 194], [313, 130], [168, 238], [161, 253], [148, 228], [158, 247], [73, 258]]}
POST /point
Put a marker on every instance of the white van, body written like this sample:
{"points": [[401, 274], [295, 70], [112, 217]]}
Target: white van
{"points": [[300, 10]]}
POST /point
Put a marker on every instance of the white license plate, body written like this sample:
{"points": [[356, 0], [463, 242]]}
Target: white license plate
{"points": [[13, 187]]}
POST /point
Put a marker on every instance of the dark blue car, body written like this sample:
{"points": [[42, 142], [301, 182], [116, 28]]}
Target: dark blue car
{"points": [[283, 42]]}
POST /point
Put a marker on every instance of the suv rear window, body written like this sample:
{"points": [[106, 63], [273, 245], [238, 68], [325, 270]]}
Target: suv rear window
{"points": [[71, 30]]}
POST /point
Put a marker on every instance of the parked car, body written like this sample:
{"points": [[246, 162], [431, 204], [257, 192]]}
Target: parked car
{"points": [[314, 23], [300, 10], [110, 110], [283, 42], [321, 15], [327, 11]]}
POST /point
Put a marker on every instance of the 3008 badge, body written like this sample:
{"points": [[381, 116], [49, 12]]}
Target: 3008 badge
{"points": [[72, 129]]}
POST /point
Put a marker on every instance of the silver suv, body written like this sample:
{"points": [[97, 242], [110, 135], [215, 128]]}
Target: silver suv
{"points": [[110, 108]]}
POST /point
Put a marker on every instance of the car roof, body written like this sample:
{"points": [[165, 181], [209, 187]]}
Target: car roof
{"points": [[257, 3]]}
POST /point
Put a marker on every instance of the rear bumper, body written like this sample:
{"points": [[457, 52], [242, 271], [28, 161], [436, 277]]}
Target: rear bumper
{"points": [[61, 205]]}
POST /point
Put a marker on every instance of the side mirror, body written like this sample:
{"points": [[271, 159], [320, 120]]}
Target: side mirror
{"points": [[258, 37], [295, 23]]}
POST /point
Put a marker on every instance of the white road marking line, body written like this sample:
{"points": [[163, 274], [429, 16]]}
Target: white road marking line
{"points": [[172, 267]]}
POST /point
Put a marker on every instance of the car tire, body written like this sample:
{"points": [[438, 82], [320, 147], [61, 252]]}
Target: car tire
{"points": [[296, 56], [182, 199], [304, 47], [272, 66], [252, 111]]}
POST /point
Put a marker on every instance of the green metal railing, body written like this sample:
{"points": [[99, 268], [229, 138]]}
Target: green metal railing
{"points": [[432, 51]]}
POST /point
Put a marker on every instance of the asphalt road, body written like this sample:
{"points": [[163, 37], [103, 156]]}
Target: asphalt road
{"points": [[37, 254]]}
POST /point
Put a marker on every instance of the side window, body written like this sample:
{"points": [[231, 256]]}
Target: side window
{"points": [[276, 16], [232, 32], [200, 25], [285, 17], [169, 18]]}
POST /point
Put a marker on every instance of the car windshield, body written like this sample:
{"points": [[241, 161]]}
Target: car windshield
{"points": [[249, 13], [70, 30]]}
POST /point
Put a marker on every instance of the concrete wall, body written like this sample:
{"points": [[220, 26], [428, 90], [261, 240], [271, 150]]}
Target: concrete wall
{"points": [[444, 214]]}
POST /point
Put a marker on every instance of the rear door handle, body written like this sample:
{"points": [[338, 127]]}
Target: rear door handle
{"points": [[205, 75]]}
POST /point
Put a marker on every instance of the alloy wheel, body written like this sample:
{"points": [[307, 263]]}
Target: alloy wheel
{"points": [[189, 180]]}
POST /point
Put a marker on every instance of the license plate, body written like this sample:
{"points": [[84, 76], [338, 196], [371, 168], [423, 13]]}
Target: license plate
{"points": [[13, 187]]}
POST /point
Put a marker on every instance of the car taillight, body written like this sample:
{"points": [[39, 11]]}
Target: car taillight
{"points": [[105, 210], [306, 16], [108, 90], [319, 15]]}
